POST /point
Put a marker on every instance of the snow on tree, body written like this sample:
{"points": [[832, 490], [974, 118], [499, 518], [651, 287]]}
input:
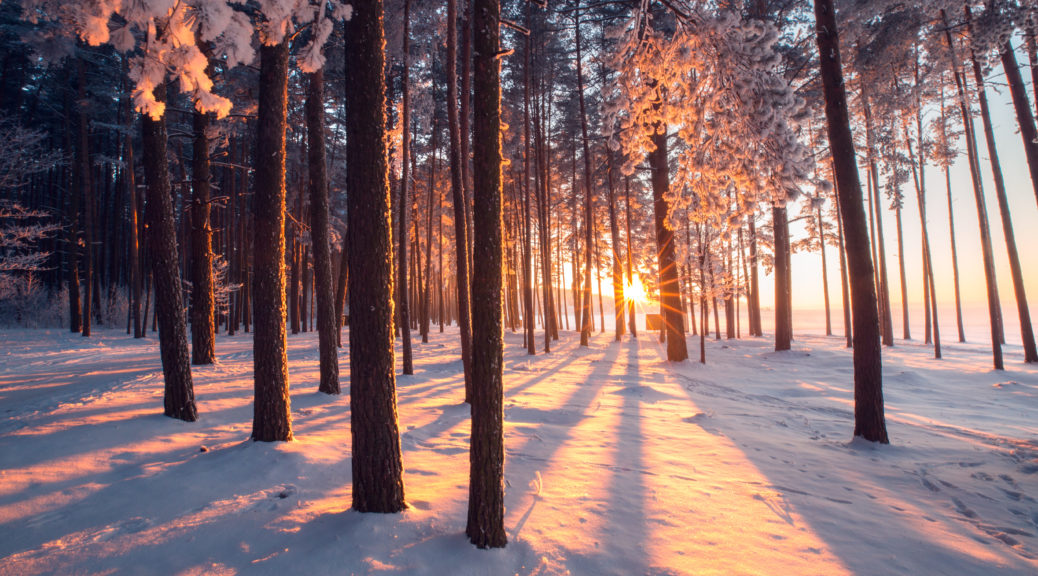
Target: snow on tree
{"points": [[169, 35]]}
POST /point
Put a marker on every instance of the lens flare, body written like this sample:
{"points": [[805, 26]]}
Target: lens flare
{"points": [[635, 291]]}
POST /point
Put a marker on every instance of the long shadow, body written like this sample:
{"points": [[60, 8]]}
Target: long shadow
{"points": [[212, 498], [627, 490], [786, 465], [542, 446]]}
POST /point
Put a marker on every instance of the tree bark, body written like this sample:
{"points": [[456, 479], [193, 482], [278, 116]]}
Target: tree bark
{"points": [[1024, 117], [486, 509], [404, 210], [378, 484], [86, 196], [179, 395], [271, 417], [585, 300], [320, 234], [528, 314], [203, 306], [754, 304], [632, 324], [783, 333], [458, 151], [1026, 330], [887, 328], [670, 288], [825, 272], [906, 331], [129, 181], [869, 421]]}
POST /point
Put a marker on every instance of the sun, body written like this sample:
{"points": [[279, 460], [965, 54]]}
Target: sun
{"points": [[635, 291]]}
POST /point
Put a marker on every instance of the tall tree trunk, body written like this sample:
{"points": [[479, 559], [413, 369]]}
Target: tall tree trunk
{"points": [[179, 396], [320, 235], [378, 484], [783, 333], [86, 195], [528, 314], [1024, 117], [632, 324], [134, 256], [848, 332], [486, 528], [869, 421], [458, 151], [670, 288], [754, 304], [271, 417], [825, 271], [404, 211], [906, 331], [428, 236], [887, 329], [919, 179], [1026, 330], [466, 132], [203, 305], [703, 313], [993, 306], [951, 233], [585, 300], [614, 237]]}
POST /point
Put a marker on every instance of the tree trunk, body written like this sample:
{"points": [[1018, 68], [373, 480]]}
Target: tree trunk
{"points": [[614, 236], [754, 304], [179, 396], [780, 223], [378, 484], [458, 151], [1024, 117], [1026, 330], [848, 332], [271, 417], [951, 233], [528, 314], [919, 178], [670, 289], [486, 528], [825, 272], [404, 210], [134, 244], [203, 307], [86, 195], [585, 324], [869, 421], [428, 236], [907, 334], [887, 328], [320, 234], [631, 316]]}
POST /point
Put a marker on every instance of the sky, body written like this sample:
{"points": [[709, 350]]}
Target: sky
{"points": [[807, 267]]}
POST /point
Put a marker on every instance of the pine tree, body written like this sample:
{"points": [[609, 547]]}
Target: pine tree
{"points": [[869, 421], [319, 215], [179, 399], [378, 484], [271, 417], [485, 527]]}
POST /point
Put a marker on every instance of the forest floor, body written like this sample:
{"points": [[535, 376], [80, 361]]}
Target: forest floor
{"points": [[618, 462]]}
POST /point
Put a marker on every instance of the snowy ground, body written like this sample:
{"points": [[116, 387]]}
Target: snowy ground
{"points": [[618, 463]]}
